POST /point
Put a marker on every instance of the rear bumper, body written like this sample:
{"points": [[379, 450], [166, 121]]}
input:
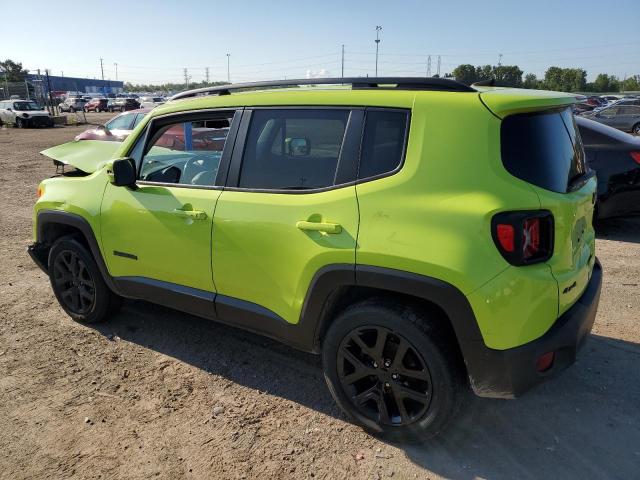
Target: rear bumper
{"points": [[509, 373]]}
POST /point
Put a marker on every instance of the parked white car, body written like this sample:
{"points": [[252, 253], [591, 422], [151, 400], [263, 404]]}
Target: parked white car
{"points": [[150, 102], [24, 113], [72, 104]]}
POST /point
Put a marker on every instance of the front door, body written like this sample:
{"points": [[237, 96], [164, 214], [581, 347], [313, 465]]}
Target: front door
{"points": [[160, 232], [288, 209]]}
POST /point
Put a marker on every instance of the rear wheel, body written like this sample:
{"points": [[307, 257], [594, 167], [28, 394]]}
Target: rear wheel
{"points": [[391, 371], [122, 109], [78, 284], [72, 110]]}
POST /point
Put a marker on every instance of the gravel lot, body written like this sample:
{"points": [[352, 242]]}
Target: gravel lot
{"points": [[160, 393]]}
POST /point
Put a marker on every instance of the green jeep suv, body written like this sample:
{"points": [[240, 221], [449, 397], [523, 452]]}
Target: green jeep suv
{"points": [[422, 235]]}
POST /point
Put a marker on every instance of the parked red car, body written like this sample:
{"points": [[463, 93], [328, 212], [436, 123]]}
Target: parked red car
{"points": [[96, 105]]}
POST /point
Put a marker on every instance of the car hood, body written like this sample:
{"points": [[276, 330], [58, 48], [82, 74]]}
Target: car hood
{"points": [[33, 113], [85, 155]]}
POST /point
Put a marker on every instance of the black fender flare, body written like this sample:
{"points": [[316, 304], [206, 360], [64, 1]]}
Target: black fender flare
{"points": [[52, 217], [331, 278]]}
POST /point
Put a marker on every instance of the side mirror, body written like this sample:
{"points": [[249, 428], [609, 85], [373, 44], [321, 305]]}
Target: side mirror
{"points": [[9, 108], [124, 172], [297, 147]]}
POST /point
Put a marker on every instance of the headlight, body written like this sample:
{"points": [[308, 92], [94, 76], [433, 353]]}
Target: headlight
{"points": [[25, 115]]}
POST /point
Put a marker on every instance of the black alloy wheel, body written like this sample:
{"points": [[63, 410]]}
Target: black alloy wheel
{"points": [[387, 378], [74, 282]]}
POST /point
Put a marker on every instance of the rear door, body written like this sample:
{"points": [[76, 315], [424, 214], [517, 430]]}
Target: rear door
{"points": [[545, 149], [289, 208]]}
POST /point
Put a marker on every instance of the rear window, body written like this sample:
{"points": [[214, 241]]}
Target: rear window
{"points": [[544, 149]]}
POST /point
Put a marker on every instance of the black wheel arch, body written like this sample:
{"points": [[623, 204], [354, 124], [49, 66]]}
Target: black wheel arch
{"points": [[336, 286], [52, 225]]}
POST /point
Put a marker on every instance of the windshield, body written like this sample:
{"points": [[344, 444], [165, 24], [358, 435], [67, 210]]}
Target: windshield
{"points": [[25, 106]]}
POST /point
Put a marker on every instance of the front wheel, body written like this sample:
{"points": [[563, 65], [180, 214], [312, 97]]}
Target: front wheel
{"points": [[19, 123], [391, 372], [72, 110], [636, 129], [78, 284]]}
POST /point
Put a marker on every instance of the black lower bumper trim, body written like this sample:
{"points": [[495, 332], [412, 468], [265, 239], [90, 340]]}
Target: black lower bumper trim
{"points": [[509, 373]]}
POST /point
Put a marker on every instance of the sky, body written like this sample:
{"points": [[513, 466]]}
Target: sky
{"points": [[153, 42]]}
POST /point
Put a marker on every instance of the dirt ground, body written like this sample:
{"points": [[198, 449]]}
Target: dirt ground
{"points": [[160, 394]]}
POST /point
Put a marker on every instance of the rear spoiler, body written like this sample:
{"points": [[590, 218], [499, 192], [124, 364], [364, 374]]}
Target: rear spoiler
{"points": [[506, 101]]}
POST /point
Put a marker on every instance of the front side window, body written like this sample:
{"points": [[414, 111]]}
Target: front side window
{"points": [[383, 142], [293, 149], [139, 118], [121, 122], [186, 153]]}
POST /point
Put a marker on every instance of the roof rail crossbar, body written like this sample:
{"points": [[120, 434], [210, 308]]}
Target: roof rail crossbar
{"points": [[357, 83]]}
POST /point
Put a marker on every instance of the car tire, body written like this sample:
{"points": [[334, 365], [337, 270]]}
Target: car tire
{"points": [[636, 129], [72, 110], [430, 395], [122, 109], [78, 284], [19, 123]]}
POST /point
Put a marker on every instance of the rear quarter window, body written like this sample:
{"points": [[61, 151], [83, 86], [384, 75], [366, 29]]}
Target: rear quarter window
{"points": [[543, 148], [383, 142]]}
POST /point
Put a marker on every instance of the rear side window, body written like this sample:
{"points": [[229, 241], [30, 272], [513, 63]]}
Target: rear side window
{"points": [[543, 149], [293, 149], [383, 142]]}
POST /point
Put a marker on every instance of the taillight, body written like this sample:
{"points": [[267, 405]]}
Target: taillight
{"points": [[524, 237], [506, 236], [636, 157]]}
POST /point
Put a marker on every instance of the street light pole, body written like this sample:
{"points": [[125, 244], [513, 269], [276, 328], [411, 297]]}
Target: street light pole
{"points": [[228, 70], [378, 29], [116, 65]]}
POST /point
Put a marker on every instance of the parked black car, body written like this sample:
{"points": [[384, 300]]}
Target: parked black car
{"points": [[123, 104], [615, 156]]}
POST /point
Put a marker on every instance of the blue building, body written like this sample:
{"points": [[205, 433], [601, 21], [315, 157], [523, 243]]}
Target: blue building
{"points": [[74, 84]]}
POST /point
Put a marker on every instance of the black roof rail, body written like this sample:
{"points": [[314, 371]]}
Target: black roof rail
{"points": [[485, 83], [357, 83]]}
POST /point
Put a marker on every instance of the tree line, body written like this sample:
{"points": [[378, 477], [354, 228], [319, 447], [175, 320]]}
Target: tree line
{"points": [[555, 78]]}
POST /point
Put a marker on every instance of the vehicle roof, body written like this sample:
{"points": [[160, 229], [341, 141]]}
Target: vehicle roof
{"points": [[499, 100]]}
